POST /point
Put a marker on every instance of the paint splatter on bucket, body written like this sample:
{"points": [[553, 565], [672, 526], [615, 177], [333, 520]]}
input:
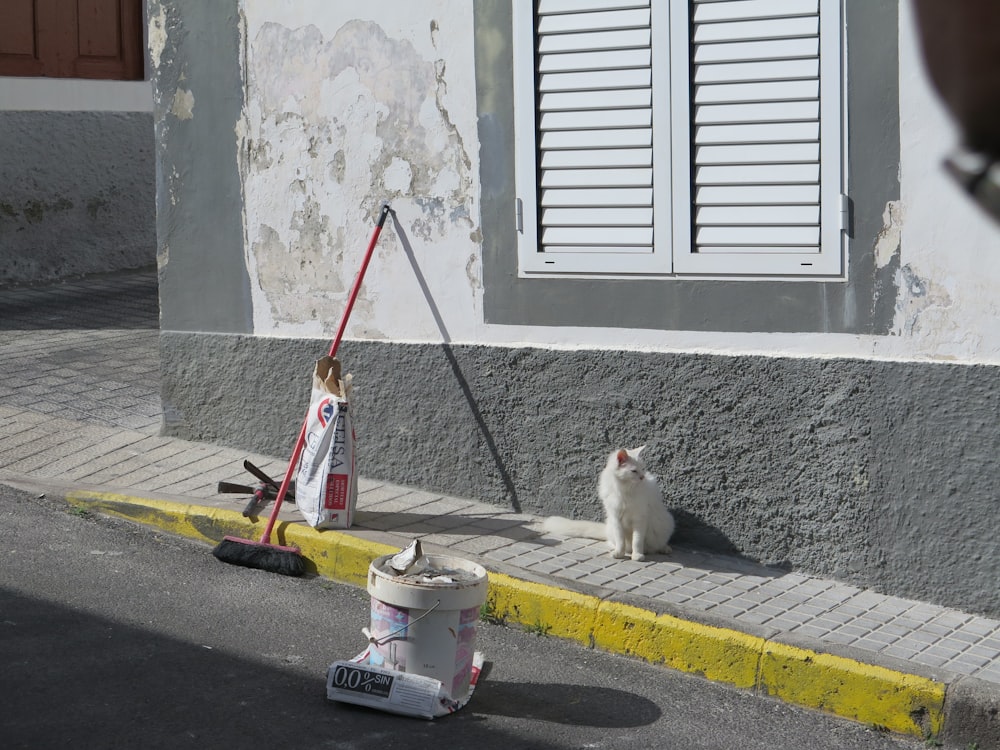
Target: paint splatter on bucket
{"points": [[425, 621]]}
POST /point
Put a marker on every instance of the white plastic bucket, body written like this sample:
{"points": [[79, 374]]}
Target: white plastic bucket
{"points": [[427, 626]]}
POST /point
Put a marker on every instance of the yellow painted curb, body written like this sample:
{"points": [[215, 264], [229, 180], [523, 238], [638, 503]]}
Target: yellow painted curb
{"points": [[869, 694], [718, 654], [341, 557], [872, 695], [547, 609], [192, 521]]}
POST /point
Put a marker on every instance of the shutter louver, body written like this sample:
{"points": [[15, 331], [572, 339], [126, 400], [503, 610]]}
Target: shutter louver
{"points": [[595, 126], [718, 122], [757, 156]]}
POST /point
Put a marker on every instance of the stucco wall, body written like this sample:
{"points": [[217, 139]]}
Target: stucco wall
{"points": [[313, 114], [348, 106], [196, 62], [856, 451], [878, 473], [77, 193]]}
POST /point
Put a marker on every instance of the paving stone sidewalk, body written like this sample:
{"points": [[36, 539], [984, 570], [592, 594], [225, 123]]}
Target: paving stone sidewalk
{"points": [[80, 407]]}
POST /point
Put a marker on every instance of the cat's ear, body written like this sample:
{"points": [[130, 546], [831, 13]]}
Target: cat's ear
{"points": [[638, 451], [622, 456]]}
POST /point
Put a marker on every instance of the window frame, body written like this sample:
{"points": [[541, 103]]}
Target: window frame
{"points": [[673, 255]]}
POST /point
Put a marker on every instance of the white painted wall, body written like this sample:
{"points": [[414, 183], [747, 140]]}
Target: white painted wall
{"points": [[951, 246], [326, 138], [348, 108]]}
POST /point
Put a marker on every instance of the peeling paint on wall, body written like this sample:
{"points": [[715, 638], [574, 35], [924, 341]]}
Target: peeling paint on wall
{"points": [[887, 243], [919, 298], [157, 34], [335, 126], [183, 106], [347, 106]]}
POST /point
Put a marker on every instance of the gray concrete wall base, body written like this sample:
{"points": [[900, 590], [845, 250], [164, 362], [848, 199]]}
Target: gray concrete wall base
{"points": [[77, 194], [874, 473]]}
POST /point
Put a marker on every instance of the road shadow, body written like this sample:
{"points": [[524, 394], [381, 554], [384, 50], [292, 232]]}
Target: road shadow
{"points": [[123, 299], [458, 524], [699, 544], [510, 488], [710, 551], [573, 705], [75, 679], [413, 524]]}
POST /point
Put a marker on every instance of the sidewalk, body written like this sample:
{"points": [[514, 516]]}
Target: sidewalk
{"points": [[80, 417]]}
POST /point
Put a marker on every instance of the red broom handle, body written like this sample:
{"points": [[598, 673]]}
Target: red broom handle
{"points": [[300, 443]]}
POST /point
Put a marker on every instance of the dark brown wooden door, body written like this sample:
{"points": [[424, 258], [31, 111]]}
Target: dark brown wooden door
{"points": [[71, 38]]}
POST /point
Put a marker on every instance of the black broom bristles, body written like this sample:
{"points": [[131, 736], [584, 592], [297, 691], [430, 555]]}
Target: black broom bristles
{"points": [[286, 561]]}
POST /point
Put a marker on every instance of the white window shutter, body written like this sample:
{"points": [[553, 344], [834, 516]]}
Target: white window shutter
{"points": [[766, 139], [591, 190], [648, 145]]}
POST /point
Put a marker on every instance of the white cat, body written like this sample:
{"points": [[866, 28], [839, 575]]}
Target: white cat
{"points": [[637, 522]]}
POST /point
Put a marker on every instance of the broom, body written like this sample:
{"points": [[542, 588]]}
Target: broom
{"points": [[276, 558]]}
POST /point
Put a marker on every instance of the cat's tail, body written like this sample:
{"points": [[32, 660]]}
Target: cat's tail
{"points": [[568, 527]]}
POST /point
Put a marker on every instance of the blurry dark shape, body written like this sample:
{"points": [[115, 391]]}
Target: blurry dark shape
{"points": [[962, 56]]}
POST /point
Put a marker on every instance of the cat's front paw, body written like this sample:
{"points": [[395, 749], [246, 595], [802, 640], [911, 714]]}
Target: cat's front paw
{"points": [[619, 554], [638, 557]]}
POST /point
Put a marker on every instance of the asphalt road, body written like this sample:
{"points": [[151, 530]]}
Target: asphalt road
{"points": [[116, 636]]}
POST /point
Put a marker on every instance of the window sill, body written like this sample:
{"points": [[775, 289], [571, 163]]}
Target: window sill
{"points": [[74, 95]]}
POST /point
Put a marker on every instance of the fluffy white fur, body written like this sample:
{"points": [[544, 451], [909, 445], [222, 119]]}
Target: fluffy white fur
{"points": [[637, 522]]}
